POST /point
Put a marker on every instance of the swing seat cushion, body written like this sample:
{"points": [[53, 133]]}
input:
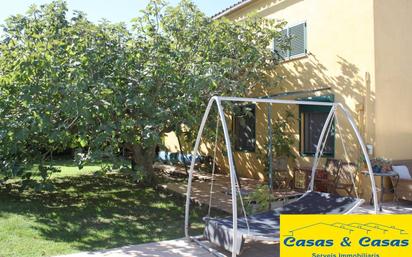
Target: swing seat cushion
{"points": [[219, 231], [265, 226]]}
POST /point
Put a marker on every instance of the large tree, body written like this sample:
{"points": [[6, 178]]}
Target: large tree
{"points": [[70, 83], [55, 73]]}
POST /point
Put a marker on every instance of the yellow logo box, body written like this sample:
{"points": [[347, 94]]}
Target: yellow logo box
{"points": [[346, 235]]}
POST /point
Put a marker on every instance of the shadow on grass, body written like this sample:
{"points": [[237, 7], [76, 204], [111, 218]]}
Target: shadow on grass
{"points": [[100, 212]]}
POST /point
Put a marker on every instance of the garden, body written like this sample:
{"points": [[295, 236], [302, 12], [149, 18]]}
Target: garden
{"points": [[87, 211], [84, 107]]}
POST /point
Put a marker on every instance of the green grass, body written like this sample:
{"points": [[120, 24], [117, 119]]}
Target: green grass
{"points": [[86, 213]]}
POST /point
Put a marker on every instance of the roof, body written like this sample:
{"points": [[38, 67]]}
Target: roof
{"points": [[231, 8]]}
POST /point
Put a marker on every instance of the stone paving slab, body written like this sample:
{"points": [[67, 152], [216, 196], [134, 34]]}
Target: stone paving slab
{"points": [[171, 248], [177, 248]]}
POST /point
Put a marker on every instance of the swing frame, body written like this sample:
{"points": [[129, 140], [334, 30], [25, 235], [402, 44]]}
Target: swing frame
{"points": [[335, 106]]}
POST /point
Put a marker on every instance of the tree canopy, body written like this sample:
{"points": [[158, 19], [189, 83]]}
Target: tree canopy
{"points": [[66, 82]]}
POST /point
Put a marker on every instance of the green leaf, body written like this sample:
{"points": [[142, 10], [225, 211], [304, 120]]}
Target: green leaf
{"points": [[83, 142]]}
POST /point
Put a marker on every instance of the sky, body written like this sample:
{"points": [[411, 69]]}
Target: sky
{"points": [[112, 10]]}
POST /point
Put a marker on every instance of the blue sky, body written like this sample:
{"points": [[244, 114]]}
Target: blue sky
{"points": [[113, 10]]}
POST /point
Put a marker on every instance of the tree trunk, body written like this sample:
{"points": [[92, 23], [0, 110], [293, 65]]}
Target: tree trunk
{"points": [[182, 154], [144, 158]]}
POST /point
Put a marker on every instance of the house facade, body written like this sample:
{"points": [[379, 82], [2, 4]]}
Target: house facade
{"points": [[349, 51]]}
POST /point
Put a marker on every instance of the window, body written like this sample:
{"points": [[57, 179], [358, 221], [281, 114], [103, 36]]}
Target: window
{"points": [[244, 123], [292, 44], [312, 119]]}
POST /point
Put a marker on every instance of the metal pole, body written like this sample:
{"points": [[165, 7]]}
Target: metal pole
{"points": [[365, 154], [270, 148], [296, 93], [273, 101], [195, 153], [233, 178]]}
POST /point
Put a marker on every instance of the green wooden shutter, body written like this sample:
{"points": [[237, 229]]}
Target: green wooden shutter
{"points": [[297, 36]]}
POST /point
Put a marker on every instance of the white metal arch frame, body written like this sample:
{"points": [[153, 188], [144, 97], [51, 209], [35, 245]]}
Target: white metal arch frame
{"points": [[233, 180]]}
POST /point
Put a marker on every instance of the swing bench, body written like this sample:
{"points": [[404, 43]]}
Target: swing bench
{"points": [[265, 226], [230, 233]]}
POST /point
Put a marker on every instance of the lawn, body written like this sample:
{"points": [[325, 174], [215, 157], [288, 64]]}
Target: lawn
{"points": [[88, 212]]}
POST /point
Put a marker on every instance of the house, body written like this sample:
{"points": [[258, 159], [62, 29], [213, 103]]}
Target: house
{"points": [[359, 51]]}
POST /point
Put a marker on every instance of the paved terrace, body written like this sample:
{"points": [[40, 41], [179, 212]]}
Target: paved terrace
{"points": [[175, 248], [222, 198], [201, 187]]}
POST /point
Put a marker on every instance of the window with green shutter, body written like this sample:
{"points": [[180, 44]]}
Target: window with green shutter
{"points": [[292, 44]]}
